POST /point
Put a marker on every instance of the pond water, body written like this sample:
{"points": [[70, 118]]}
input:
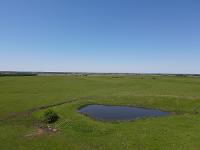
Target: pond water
{"points": [[120, 113]]}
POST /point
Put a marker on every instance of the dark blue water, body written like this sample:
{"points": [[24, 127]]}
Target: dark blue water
{"points": [[117, 113]]}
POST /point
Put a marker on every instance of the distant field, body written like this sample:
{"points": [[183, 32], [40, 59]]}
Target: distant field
{"points": [[22, 97]]}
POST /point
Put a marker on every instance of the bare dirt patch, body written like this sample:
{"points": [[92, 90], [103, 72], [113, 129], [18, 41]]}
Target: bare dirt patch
{"points": [[39, 132]]}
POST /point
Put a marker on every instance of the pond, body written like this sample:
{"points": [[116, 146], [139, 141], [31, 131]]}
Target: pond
{"points": [[120, 113]]}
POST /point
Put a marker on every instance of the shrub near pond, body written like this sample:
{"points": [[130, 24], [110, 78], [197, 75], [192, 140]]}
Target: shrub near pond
{"points": [[50, 116]]}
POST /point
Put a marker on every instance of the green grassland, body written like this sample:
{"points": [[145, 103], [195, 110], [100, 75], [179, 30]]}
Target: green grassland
{"points": [[21, 97]]}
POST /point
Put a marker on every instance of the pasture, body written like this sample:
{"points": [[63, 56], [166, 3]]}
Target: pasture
{"points": [[24, 99]]}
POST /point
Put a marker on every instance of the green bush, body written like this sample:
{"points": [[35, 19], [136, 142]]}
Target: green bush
{"points": [[50, 116]]}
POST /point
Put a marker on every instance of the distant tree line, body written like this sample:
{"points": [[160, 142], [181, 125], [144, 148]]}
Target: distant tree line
{"points": [[3, 74]]}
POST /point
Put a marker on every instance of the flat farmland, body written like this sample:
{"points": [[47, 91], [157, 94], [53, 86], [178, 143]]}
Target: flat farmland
{"points": [[24, 99]]}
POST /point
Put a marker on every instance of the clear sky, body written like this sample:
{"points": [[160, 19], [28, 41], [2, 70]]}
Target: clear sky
{"points": [[152, 36]]}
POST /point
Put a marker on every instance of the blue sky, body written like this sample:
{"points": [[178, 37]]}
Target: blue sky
{"points": [[152, 36]]}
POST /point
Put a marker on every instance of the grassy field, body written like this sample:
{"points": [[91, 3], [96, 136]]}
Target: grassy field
{"points": [[21, 95]]}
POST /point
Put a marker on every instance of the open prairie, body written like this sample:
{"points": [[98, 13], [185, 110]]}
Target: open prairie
{"points": [[24, 99]]}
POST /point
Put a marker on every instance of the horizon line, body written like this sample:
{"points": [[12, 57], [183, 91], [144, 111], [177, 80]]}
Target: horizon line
{"points": [[88, 72]]}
